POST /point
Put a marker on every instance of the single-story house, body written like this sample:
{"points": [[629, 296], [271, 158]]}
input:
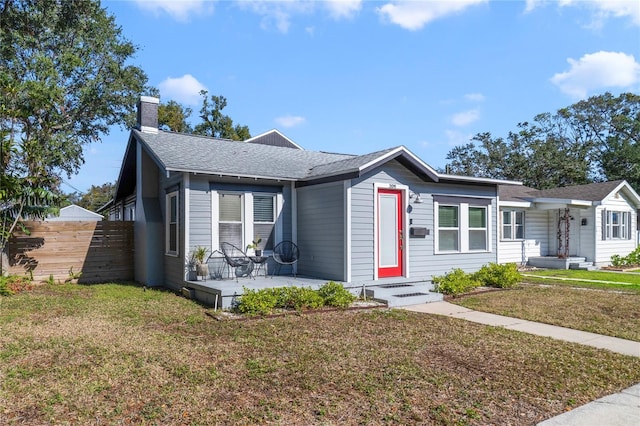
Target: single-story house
{"points": [[581, 225], [74, 212], [386, 216]]}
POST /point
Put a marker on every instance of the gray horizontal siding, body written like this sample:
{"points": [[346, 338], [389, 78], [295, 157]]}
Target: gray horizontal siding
{"points": [[199, 213], [422, 262], [320, 218], [536, 242]]}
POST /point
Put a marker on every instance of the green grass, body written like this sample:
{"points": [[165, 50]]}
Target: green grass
{"points": [[590, 279], [619, 277], [115, 354], [582, 307]]}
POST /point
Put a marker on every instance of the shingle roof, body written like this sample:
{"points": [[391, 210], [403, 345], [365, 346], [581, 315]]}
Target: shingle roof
{"points": [[182, 152], [347, 165], [589, 192], [514, 192], [201, 154]]}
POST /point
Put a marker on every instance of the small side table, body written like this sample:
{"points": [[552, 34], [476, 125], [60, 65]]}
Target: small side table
{"points": [[260, 262]]}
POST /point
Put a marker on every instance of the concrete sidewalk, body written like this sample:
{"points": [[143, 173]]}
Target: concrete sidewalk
{"points": [[620, 409]]}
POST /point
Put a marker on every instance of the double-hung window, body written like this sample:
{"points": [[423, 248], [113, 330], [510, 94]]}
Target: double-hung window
{"points": [[230, 218], [513, 224], [264, 219], [616, 225], [477, 228], [462, 224], [448, 228], [244, 217], [172, 221]]}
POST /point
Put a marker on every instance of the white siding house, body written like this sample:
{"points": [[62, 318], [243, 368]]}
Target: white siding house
{"points": [[579, 224]]}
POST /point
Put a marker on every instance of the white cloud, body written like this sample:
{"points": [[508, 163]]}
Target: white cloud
{"points": [[603, 9], [465, 118], [596, 71], [343, 8], [180, 10], [475, 97], [415, 15], [290, 120], [276, 13], [185, 89], [455, 138]]}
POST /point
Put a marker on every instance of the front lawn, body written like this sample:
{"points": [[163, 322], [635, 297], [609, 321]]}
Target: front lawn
{"points": [[115, 354], [594, 279], [569, 304]]}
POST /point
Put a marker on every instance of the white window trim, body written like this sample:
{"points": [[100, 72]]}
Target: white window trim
{"points": [[277, 207], [512, 225], [438, 228], [168, 197], [463, 228], [485, 229], [247, 218], [623, 225]]}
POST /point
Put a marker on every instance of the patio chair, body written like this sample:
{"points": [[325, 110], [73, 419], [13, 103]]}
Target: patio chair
{"points": [[286, 253], [237, 260], [217, 265]]}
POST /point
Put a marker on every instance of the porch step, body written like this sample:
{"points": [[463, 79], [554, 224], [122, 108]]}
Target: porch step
{"points": [[583, 266], [404, 294]]}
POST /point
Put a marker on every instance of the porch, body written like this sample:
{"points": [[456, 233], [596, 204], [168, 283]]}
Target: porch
{"points": [[400, 291], [555, 262]]}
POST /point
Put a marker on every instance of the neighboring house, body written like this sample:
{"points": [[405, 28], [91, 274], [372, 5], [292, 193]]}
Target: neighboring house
{"points": [[355, 218], [591, 221], [75, 213]]}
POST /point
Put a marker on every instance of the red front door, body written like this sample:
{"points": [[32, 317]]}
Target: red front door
{"points": [[390, 233]]}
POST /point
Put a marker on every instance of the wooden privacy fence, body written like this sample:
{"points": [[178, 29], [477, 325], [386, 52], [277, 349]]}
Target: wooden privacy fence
{"points": [[103, 251]]}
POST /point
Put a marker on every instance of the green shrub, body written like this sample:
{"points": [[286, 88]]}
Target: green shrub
{"points": [[334, 294], [263, 302], [257, 302], [455, 282], [632, 259], [497, 275], [298, 298]]}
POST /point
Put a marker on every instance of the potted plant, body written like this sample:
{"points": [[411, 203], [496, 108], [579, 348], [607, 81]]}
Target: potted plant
{"points": [[254, 246], [198, 256]]}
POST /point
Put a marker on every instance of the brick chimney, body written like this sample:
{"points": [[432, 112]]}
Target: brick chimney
{"points": [[147, 118]]}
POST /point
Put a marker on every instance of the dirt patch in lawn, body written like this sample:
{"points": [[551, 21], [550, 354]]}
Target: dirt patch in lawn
{"points": [[117, 355]]}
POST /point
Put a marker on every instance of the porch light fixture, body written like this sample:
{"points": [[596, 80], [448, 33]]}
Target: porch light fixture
{"points": [[415, 197]]}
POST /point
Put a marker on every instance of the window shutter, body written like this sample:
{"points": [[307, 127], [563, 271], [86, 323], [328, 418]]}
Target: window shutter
{"points": [[628, 225], [603, 224]]}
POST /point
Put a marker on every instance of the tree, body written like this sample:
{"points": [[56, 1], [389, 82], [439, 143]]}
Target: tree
{"points": [[64, 81], [592, 140], [173, 116], [215, 123], [97, 196]]}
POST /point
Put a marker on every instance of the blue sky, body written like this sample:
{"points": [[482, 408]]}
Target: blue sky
{"points": [[359, 76]]}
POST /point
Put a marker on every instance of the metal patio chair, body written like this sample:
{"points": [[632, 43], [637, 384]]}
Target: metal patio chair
{"points": [[286, 253], [238, 261]]}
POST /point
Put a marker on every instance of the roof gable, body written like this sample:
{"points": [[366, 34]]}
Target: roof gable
{"points": [[274, 138]]}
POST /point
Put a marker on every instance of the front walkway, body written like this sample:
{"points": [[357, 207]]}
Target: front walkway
{"points": [[620, 409]]}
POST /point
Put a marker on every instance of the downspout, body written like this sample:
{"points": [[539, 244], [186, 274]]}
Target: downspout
{"points": [[294, 219]]}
